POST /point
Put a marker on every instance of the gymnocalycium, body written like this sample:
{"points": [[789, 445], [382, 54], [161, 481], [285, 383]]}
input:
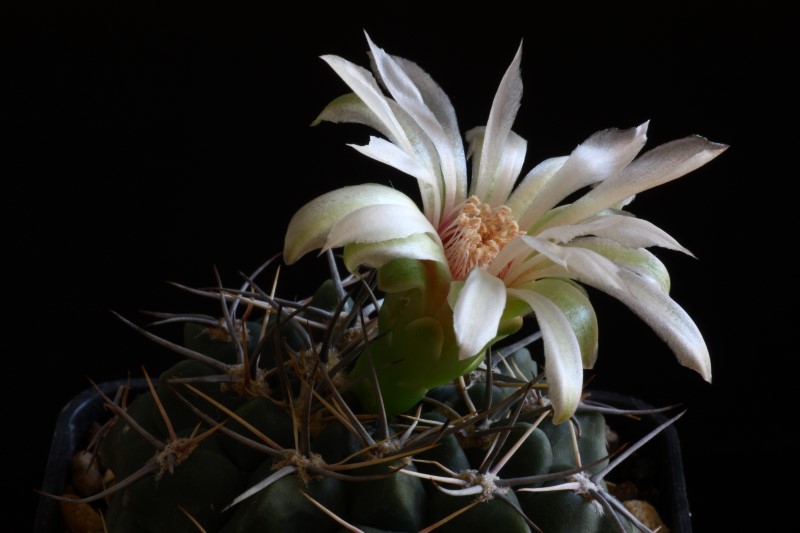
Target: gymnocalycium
{"points": [[386, 400]]}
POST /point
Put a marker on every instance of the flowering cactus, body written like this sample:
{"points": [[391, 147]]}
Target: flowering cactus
{"points": [[376, 404], [485, 250]]}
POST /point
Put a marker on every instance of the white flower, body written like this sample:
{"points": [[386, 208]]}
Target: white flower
{"points": [[502, 243]]}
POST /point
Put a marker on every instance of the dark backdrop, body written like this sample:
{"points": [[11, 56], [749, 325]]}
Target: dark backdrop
{"points": [[153, 143]]}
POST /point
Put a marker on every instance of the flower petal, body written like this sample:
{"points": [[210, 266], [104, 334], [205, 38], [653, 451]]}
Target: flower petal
{"points": [[439, 103], [582, 264], [573, 301], [350, 108], [508, 168], [627, 230], [505, 105], [376, 223], [529, 187], [309, 227], [660, 165], [643, 295], [388, 153], [376, 254], [407, 95], [636, 260], [563, 364], [363, 84], [477, 312], [670, 322], [600, 156]]}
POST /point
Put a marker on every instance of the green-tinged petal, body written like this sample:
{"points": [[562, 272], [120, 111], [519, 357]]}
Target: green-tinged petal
{"points": [[377, 254], [308, 230], [627, 230], [388, 153], [515, 252], [511, 321], [660, 165], [362, 83], [508, 168], [477, 312], [518, 262], [636, 260], [645, 297], [563, 364], [527, 190], [669, 320], [350, 108], [582, 264], [600, 156], [505, 105], [571, 298], [376, 223], [439, 103], [408, 96]]}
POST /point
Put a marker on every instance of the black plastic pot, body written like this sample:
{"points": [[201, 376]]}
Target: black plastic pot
{"points": [[69, 436], [658, 466]]}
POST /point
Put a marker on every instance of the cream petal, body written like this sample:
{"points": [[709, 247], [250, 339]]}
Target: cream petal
{"points": [[508, 168], [350, 108], [582, 264], [573, 301], [505, 105], [477, 312], [655, 167], [563, 365], [439, 103], [645, 297], [309, 227], [388, 153], [540, 271], [407, 95], [532, 183], [376, 223], [425, 152], [376, 254], [363, 84], [627, 230], [602, 155], [636, 260]]}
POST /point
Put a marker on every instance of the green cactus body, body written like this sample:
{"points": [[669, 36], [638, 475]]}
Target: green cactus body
{"points": [[181, 414], [281, 507], [155, 503], [591, 439], [534, 456], [215, 341], [493, 515], [397, 501], [263, 415], [321, 455], [568, 512], [123, 450], [447, 453]]}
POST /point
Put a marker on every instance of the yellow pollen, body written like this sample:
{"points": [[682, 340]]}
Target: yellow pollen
{"points": [[476, 235]]}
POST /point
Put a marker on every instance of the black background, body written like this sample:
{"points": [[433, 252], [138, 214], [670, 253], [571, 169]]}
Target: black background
{"points": [[152, 143]]}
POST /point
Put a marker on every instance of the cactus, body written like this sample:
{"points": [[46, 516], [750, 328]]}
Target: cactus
{"points": [[258, 431], [405, 395]]}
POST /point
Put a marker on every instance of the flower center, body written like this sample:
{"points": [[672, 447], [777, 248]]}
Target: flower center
{"points": [[476, 235]]}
